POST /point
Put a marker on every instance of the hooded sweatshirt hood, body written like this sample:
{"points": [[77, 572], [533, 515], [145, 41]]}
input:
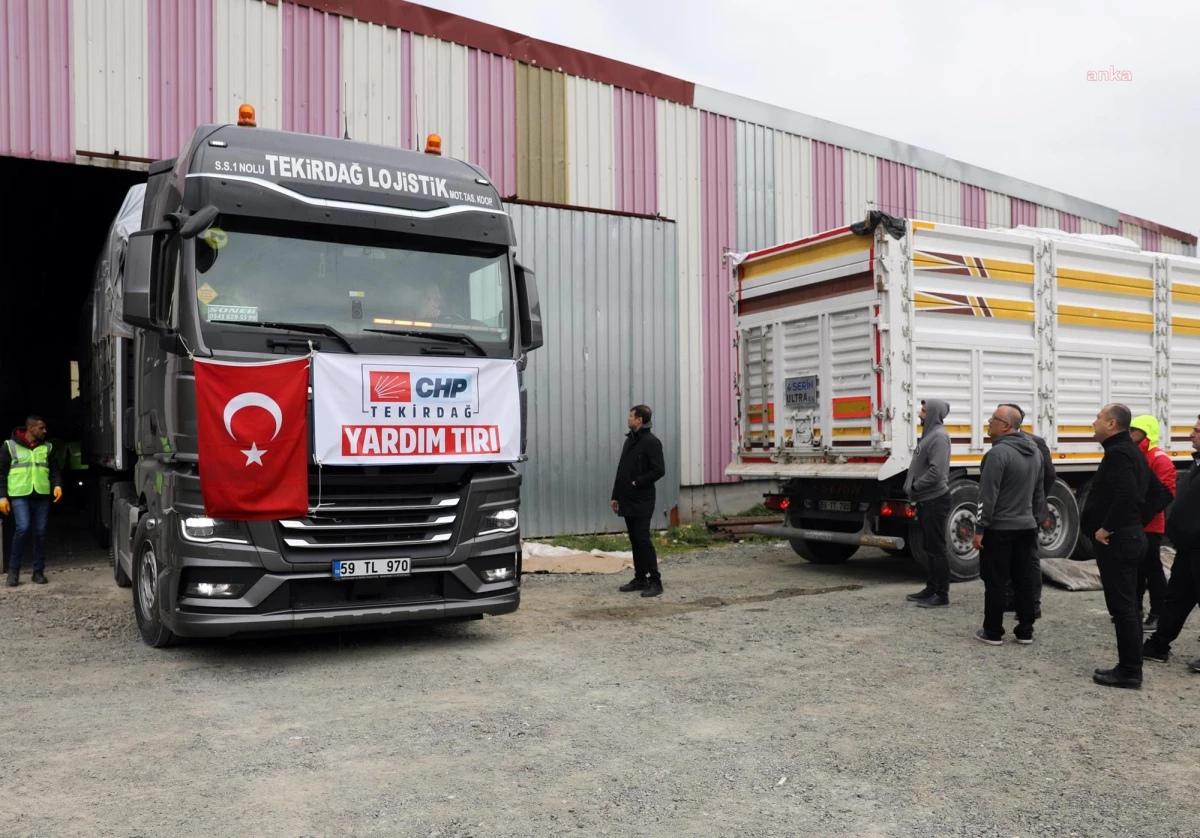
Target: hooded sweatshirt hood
{"points": [[1148, 425], [929, 471], [936, 412]]}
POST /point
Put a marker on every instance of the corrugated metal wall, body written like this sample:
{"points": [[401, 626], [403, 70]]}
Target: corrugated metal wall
{"points": [[492, 107], [591, 137], [999, 211], [36, 85], [897, 189], [1023, 212], [1132, 232], [974, 206], [860, 186], [541, 135], [180, 77], [1069, 223], [1093, 228], [755, 187], [608, 294], [1048, 218], [829, 205], [679, 200], [248, 65], [312, 71], [793, 187], [374, 67], [440, 94], [635, 160], [939, 199], [718, 216], [1151, 240], [1172, 246], [109, 45]]}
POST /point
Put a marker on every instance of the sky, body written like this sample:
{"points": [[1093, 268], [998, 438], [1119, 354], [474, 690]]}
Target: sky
{"points": [[1001, 84]]}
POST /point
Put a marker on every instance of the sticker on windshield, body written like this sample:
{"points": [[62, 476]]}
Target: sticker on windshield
{"points": [[206, 294], [359, 294], [243, 314], [214, 237]]}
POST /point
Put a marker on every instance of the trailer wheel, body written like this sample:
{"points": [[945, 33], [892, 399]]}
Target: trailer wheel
{"points": [[1057, 541], [960, 529], [821, 552], [146, 594], [1084, 548]]}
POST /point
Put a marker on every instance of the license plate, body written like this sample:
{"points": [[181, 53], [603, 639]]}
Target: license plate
{"points": [[835, 506], [360, 569]]}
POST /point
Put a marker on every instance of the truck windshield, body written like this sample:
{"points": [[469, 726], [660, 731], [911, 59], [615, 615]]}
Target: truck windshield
{"points": [[353, 280]]}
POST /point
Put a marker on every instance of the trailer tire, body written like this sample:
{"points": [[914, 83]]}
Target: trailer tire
{"points": [[960, 528], [1059, 540], [146, 596], [1084, 548]]}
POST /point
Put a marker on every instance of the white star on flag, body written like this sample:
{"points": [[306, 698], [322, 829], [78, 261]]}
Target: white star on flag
{"points": [[254, 455]]}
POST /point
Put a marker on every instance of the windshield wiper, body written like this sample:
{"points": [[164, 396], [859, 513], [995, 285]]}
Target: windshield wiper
{"points": [[311, 328], [448, 337]]}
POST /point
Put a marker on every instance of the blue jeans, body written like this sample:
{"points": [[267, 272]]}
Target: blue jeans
{"points": [[32, 512]]}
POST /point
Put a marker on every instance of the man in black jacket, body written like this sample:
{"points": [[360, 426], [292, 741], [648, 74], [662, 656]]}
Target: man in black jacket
{"points": [[640, 467], [1183, 589], [1112, 518]]}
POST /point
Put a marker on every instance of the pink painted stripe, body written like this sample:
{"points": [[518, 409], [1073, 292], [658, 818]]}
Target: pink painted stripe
{"points": [[312, 71], [718, 214], [896, 188], [974, 206], [1069, 223], [37, 106], [492, 115], [829, 202], [180, 71], [1151, 240], [406, 91], [635, 128], [1109, 231], [1024, 212]]}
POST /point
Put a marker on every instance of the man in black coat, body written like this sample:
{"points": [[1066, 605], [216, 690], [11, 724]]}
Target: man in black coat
{"points": [[1112, 518], [640, 467]]}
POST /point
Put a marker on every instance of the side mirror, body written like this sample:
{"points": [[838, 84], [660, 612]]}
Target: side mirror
{"points": [[530, 309], [138, 279], [198, 222]]}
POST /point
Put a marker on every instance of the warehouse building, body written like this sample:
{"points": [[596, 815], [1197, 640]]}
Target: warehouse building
{"points": [[627, 186]]}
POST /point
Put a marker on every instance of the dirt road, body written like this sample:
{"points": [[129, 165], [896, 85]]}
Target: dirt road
{"points": [[760, 696]]}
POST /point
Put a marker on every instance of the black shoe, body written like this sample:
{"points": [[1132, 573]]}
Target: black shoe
{"points": [[935, 601], [39, 577], [638, 584], [982, 637], [1151, 624], [1025, 638], [1152, 652], [923, 594], [653, 589], [1112, 678], [14, 577], [1194, 666]]}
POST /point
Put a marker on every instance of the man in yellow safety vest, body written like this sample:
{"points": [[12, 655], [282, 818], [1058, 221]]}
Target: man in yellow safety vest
{"points": [[31, 476]]}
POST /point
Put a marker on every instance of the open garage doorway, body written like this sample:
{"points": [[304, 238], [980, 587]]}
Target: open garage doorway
{"points": [[57, 219]]}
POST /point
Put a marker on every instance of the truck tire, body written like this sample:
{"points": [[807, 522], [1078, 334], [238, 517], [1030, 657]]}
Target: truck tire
{"points": [[960, 528], [1084, 548], [821, 552], [119, 575], [146, 596], [1058, 540]]}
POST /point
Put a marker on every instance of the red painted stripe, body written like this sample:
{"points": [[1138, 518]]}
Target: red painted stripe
{"points": [[798, 243]]}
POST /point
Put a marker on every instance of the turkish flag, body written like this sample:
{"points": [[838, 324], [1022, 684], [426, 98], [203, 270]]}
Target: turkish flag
{"points": [[253, 439]]}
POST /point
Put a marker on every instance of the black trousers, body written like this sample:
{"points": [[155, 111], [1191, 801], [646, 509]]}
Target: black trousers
{"points": [[933, 515], [1150, 575], [1118, 563], [1183, 594], [1007, 554], [645, 558]]}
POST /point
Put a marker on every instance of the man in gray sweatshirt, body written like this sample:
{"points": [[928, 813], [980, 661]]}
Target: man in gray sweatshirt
{"points": [[1010, 490], [927, 485]]}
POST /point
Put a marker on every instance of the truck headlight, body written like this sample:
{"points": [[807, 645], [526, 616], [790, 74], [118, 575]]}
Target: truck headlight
{"points": [[501, 520], [213, 530]]}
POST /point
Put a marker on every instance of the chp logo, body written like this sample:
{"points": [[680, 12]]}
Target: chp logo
{"points": [[416, 392]]}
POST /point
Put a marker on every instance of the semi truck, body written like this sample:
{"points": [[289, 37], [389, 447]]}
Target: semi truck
{"points": [[840, 336], [256, 245]]}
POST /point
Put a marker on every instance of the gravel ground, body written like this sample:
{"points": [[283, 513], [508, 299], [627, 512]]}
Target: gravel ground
{"points": [[760, 696]]}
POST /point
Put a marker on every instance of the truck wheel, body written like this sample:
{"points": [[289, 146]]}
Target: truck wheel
{"points": [[1057, 541], [1084, 548], [821, 552], [960, 529], [146, 575], [122, 580]]}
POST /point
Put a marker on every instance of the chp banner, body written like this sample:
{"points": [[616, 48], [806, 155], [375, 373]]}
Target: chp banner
{"points": [[253, 439], [380, 410]]}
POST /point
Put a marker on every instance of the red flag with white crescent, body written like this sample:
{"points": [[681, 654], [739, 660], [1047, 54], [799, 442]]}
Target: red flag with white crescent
{"points": [[252, 422]]}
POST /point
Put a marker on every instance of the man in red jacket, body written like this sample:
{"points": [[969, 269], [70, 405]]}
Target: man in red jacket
{"points": [[1144, 431]]}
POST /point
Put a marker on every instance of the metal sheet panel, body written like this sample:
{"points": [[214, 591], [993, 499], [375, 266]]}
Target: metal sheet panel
{"points": [[1133, 233], [1048, 218], [590, 113], [36, 84], [635, 158], [492, 109], [999, 212], [974, 206], [180, 71], [718, 215], [829, 204], [609, 300], [541, 135], [1093, 228], [1069, 223], [679, 200], [939, 199], [109, 46], [312, 71], [440, 96], [897, 188], [755, 187], [1110, 231], [373, 67], [1151, 240], [1024, 212], [1174, 246], [793, 187], [248, 49], [860, 186]]}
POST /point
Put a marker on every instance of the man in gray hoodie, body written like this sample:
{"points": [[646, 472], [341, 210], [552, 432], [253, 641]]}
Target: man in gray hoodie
{"points": [[927, 485], [1010, 490]]}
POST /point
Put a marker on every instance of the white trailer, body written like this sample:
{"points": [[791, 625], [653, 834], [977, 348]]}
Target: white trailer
{"points": [[840, 336]]}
